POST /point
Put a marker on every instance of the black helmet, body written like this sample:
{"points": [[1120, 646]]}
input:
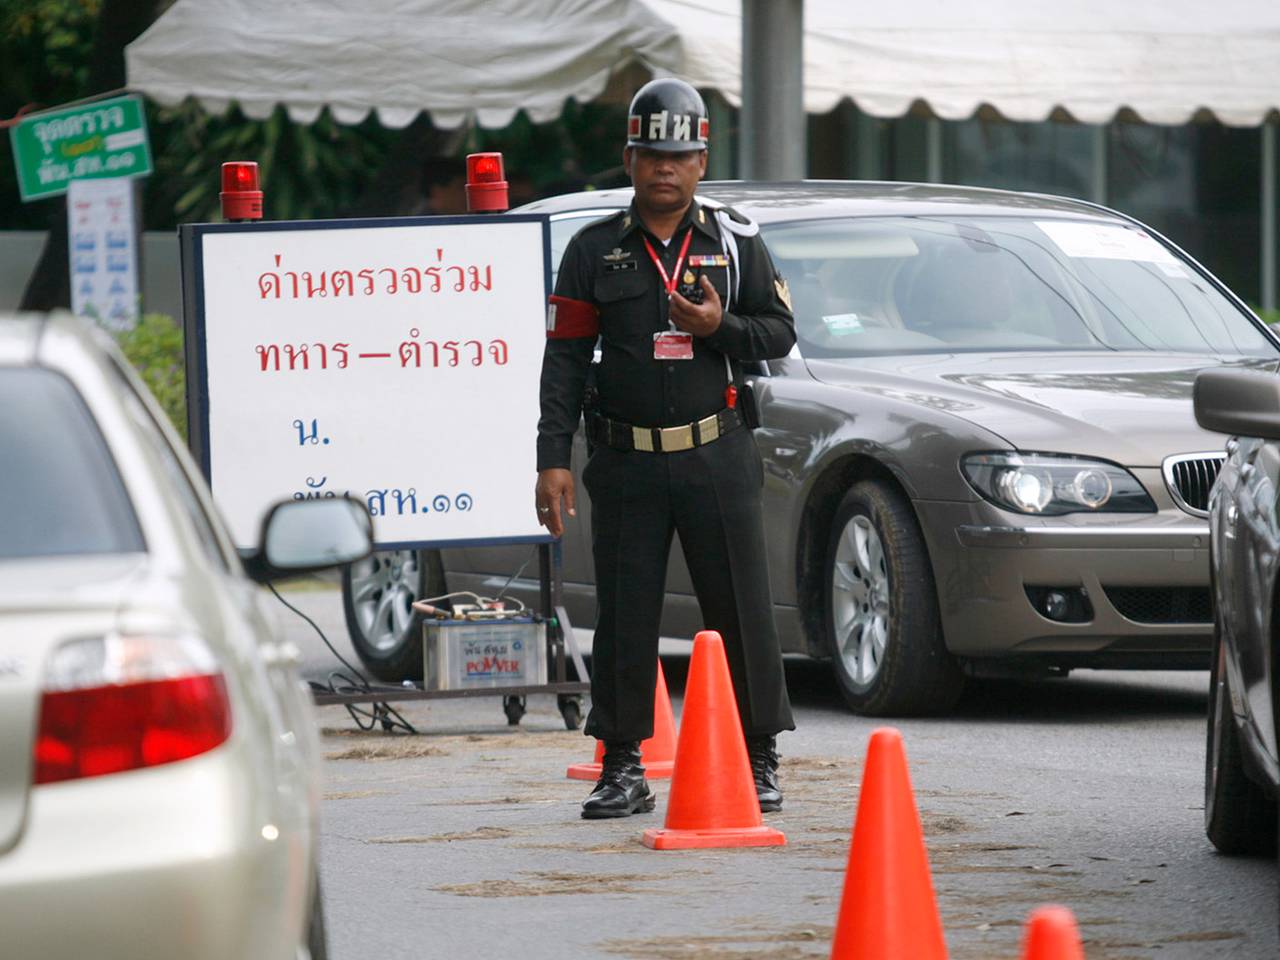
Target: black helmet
{"points": [[667, 114]]}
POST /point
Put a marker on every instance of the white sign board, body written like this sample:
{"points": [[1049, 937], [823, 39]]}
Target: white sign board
{"points": [[393, 361], [103, 250]]}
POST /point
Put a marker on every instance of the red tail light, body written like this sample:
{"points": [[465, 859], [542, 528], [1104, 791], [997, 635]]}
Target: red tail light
{"points": [[97, 727]]}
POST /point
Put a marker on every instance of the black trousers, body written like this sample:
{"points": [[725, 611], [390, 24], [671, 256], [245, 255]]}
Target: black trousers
{"points": [[711, 496]]}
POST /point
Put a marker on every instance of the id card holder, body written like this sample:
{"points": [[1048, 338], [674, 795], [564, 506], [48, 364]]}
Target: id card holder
{"points": [[673, 345]]}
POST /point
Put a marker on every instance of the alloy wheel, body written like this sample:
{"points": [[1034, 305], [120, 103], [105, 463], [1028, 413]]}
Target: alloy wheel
{"points": [[860, 600], [383, 587]]}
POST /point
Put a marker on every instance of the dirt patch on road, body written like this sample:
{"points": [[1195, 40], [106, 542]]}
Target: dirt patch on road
{"points": [[550, 884], [800, 943], [399, 748], [480, 833]]}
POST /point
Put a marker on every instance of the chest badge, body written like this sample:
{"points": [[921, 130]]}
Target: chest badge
{"points": [[617, 255]]}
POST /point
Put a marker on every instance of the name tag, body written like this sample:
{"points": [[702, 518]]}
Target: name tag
{"points": [[626, 266], [673, 345]]}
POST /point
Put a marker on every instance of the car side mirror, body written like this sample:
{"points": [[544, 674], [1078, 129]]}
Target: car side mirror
{"points": [[1238, 402], [303, 536]]}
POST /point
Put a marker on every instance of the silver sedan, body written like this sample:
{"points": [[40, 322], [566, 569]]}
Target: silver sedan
{"points": [[159, 765]]}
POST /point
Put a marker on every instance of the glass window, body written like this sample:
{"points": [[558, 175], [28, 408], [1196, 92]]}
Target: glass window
{"points": [[563, 227], [926, 284], [60, 490], [176, 476]]}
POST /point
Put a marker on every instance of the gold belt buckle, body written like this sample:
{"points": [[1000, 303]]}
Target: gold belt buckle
{"points": [[677, 438], [708, 429], [642, 439]]}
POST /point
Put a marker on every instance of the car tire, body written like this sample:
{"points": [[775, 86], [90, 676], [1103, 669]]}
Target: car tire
{"points": [[884, 631], [317, 937], [377, 594], [1239, 816]]}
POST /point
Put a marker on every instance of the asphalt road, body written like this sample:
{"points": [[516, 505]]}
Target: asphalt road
{"points": [[465, 841]]}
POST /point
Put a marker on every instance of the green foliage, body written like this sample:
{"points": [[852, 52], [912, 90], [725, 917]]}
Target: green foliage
{"points": [[306, 172], [1269, 316], [45, 50], [154, 347]]}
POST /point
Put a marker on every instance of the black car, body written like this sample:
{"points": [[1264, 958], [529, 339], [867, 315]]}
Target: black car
{"points": [[1242, 772]]}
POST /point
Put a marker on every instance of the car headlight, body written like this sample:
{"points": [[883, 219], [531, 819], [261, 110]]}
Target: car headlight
{"points": [[1054, 484]]}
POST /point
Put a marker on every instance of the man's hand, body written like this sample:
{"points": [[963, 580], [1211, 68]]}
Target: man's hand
{"points": [[552, 485], [700, 319]]}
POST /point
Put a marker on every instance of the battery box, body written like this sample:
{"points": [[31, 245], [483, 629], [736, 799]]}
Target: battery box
{"points": [[481, 654]]}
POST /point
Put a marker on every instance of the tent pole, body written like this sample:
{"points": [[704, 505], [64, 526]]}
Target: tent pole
{"points": [[933, 150], [1268, 214], [720, 156], [867, 147], [1099, 141], [774, 126]]}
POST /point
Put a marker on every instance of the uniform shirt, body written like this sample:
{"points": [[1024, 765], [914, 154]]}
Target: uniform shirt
{"points": [[609, 285]]}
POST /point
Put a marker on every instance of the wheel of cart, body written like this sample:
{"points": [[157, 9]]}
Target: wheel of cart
{"points": [[570, 705], [514, 708]]}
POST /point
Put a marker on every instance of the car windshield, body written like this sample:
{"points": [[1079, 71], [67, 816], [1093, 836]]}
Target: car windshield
{"points": [[60, 491], [926, 285]]}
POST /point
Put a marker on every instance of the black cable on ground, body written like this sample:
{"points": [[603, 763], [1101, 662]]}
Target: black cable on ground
{"points": [[381, 712]]}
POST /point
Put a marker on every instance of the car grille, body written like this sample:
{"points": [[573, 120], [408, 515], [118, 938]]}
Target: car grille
{"points": [[1162, 604], [1190, 478]]}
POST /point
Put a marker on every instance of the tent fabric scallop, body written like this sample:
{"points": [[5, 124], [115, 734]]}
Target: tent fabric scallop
{"points": [[1166, 61]]}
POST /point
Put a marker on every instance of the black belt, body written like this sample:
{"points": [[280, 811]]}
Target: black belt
{"points": [[623, 436]]}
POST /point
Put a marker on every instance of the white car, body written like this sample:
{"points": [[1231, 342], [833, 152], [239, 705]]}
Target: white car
{"points": [[159, 762]]}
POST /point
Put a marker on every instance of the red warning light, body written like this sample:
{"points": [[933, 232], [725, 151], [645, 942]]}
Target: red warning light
{"points": [[241, 197], [486, 183]]}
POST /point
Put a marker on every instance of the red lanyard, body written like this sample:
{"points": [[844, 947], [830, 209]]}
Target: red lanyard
{"points": [[669, 282]]}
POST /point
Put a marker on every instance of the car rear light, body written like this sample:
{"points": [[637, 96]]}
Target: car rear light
{"points": [[118, 703]]}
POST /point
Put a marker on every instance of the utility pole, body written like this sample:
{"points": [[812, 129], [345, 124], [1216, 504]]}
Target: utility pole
{"points": [[774, 131]]}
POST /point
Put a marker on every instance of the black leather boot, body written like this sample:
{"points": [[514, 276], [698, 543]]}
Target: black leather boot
{"points": [[622, 789], [763, 752]]}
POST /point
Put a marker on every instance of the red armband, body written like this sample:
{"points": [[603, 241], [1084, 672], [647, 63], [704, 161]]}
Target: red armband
{"points": [[568, 319]]}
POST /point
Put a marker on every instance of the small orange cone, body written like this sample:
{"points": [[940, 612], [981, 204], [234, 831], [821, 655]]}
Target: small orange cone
{"points": [[1051, 934], [658, 753], [713, 799], [888, 911]]}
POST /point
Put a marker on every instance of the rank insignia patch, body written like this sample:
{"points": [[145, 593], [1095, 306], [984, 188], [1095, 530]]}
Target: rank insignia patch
{"points": [[784, 293]]}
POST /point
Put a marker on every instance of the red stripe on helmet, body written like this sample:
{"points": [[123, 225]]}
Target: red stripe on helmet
{"points": [[633, 126], [704, 128], [569, 319]]}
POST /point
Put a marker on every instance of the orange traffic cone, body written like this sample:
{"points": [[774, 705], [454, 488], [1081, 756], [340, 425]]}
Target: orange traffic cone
{"points": [[888, 910], [658, 753], [1051, 934], [713, 799]]}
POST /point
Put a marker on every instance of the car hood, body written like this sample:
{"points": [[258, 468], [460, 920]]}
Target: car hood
{"points": [[1131, 408]]}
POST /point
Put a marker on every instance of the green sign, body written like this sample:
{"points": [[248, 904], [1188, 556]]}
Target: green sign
{"points": [[106, 138]]}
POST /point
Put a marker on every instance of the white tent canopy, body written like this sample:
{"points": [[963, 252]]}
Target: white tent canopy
{"points": [[1165, 61]]}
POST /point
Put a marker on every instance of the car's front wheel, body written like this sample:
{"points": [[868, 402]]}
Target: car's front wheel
{"points": [[1239, 816], [377, 597], [883, 627]]}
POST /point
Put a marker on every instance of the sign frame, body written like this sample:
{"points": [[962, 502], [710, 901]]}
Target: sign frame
{"points": [[191, 247]]}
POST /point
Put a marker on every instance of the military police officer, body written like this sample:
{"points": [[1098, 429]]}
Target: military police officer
{"points": [[679, 293]]}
